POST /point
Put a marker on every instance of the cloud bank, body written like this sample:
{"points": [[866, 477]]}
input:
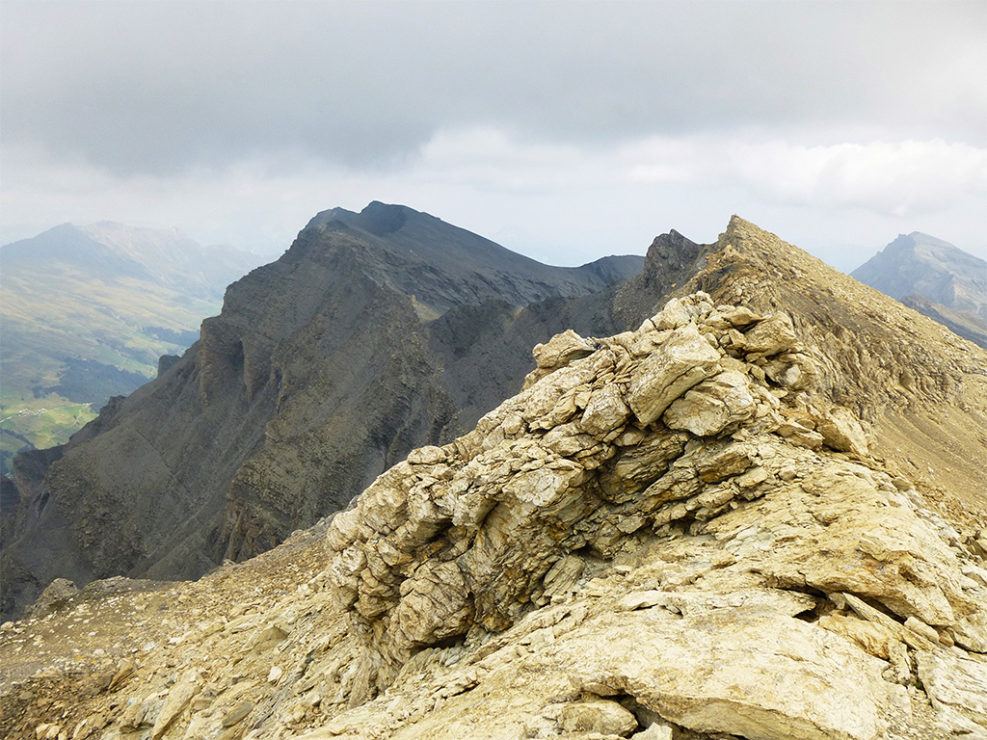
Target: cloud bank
{"points": [[870, 116]]}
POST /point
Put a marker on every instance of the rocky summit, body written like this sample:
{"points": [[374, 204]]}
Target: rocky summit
{"points": [[760, 514], [375, 333]]}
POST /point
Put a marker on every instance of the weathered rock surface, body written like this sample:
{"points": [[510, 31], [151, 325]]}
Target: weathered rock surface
{"points": [[375, 333], [568, 569]]}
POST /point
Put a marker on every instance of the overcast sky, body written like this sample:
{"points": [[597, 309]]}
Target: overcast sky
{"points": [[563, 130]]}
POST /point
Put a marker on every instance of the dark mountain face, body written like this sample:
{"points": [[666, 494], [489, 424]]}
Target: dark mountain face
{"points": [[373, 334], [936, 279]]}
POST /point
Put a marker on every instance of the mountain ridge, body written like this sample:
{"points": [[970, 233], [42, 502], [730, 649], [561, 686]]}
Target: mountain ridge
{"points": [[324, 368], [712, 524], [935, 278]]}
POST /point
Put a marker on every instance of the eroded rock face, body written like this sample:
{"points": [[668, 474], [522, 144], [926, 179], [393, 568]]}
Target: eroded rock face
{"points": [[605, 555], [373, 334], [668, 444]]}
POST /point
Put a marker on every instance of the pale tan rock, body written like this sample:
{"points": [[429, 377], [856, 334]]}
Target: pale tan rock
{"points": [[957, 687], [725, 680], [799, 434], [739, 316], [684, 360], [561, 349], [429, 455], [772, 335], [597, 715], [605, 411], [841, 431], [556, 353], [435, 606], [178, 698], [672, 315], [711, 406], [873, 638], [971, 631], [655, 731], [919, 627]]}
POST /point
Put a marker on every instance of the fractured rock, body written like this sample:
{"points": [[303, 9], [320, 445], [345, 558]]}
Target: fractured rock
{"points": [[682, 361], [568, 557], [597, 715], [711, 406]]}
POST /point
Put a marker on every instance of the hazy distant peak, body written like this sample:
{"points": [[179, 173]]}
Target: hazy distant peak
{"points": [[109, 250], [918, 264]]}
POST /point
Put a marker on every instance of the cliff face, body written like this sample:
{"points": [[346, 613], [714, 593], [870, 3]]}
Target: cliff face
{"points": [[711, 526], [376, 332]]}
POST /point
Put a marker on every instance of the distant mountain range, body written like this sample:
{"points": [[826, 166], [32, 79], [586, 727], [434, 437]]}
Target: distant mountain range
{"points": [[936, 279], [376, 332], [87, 311]]}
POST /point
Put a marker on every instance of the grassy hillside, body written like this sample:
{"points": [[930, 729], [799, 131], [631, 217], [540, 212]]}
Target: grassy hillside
{"points": [[85, 313]]}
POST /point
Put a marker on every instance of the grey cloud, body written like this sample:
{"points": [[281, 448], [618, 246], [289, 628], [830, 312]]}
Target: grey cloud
{"points": [[158, 87]]}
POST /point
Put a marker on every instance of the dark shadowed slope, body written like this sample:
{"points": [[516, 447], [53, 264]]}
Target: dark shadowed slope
{"points": [[374, 333]]}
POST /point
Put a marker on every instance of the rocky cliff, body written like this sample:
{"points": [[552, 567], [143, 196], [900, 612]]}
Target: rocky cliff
{"points": [[936, 279], [760, 515], [376, 332]]}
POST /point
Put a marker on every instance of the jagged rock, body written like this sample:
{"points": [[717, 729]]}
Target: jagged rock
{"points": [[683, 360], [772, 335], [560, 350], [739, 582], [957, 685], [841, 431], [174, 704], [655, 731], [597, 715], [717, 672], [712, 405], [604, 412]]}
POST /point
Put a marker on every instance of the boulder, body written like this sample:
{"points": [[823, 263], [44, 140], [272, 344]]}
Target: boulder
{"points": [[684, 360]]}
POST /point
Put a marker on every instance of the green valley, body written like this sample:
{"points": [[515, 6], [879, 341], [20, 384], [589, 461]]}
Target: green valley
{"points": [[85, 313]]}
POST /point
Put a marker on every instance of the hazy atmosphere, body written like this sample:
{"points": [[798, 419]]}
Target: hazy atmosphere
{"points": [[563, 131]]}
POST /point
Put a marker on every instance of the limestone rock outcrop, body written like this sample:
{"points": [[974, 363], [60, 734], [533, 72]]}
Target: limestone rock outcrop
{"points": [[375, 333], [629, 547]]}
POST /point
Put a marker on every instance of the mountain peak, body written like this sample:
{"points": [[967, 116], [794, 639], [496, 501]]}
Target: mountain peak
{"points": [[934, 277], [377, 218]]}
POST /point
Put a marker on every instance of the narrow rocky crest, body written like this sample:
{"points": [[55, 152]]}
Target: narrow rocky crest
{"points": [[690, 530]]}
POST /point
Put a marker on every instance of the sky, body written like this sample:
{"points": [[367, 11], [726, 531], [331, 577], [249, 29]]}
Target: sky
{"points": [[562, 130]]}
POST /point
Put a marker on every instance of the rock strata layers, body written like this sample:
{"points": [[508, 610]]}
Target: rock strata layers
{"points": [[375, 333], [672, 532]]}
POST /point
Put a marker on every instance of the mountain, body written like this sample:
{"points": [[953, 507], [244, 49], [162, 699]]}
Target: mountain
{"points": [[760, 514], [376, 332], [936, 279], [87, 311]]}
